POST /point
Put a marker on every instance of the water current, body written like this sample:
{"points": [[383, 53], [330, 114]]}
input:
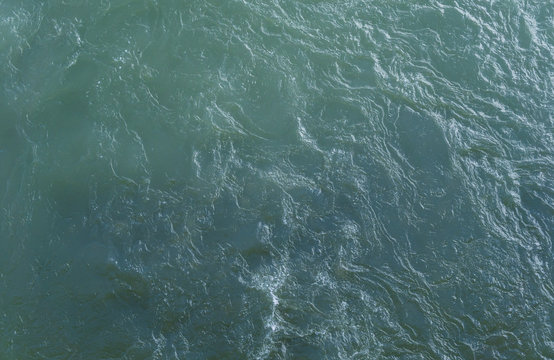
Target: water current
{"points": [[280, 179]]}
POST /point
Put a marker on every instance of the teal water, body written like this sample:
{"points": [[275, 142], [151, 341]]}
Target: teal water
{"points": [[224, 179]]}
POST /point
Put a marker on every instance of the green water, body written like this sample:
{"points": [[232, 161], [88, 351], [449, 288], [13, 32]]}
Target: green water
{"points": [[224, 179]]}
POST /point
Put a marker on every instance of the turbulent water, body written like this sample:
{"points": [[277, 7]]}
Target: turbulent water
{"points": [[283, 179]]}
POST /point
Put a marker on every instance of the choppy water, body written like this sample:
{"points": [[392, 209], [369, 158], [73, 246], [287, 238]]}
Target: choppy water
{"points": [[277, 179]]}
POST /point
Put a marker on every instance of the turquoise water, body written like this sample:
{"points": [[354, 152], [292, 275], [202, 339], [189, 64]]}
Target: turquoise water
{"points": [[211, 179]]}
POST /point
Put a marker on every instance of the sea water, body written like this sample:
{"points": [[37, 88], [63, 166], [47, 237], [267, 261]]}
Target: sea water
{"points": [[281, 179]]}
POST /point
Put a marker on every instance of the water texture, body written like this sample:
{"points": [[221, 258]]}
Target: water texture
{"points": [[247, 179]]}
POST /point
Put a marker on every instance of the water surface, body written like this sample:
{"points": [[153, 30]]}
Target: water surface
{"points": [[211, 179]]}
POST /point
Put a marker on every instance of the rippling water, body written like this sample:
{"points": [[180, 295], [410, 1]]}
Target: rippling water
{"points": [[247, 179]]}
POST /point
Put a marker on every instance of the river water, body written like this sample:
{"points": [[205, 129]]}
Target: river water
{"points": [[247, 179]]}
